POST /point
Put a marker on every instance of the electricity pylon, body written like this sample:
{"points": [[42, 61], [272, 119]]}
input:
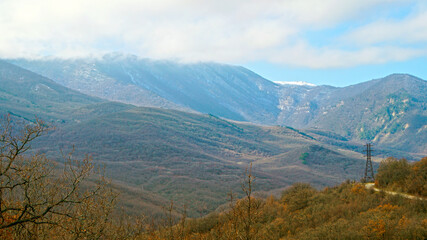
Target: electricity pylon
{"points": [[369, 171]]}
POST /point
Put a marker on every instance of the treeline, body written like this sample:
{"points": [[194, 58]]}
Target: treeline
{"points": [[43, 200], [400, 175]]}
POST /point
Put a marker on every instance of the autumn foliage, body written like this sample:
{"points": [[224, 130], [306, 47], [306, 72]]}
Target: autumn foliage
{"points": [[42, 199], [347, 211], [401, 175]]}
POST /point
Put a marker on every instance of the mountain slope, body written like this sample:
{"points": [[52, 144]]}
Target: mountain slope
{"points": [[172, 154], [26, 94], [391, 112], [370, 111], [227, 91], [185, 156]]}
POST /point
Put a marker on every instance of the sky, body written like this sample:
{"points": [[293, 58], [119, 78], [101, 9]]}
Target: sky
{"points": [[332, 42]]}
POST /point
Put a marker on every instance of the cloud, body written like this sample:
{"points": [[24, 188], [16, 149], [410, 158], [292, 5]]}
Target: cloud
{"points": [[410, 30], [302, 54], [232, 31]]}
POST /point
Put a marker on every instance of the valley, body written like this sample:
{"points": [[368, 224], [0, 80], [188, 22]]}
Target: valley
{"points": [[390, 112], [169, 154], [213, 120]]}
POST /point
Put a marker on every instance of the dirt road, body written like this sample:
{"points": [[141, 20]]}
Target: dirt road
{"points": [[372, 186]]}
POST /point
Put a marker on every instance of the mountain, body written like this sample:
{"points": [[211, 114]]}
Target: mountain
{"points": [[299, 83], [155, 154], [25, 94], [228, 91], [390, 112]]}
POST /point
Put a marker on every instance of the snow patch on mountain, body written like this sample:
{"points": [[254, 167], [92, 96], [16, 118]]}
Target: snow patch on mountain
{"points": [[299, 83]]}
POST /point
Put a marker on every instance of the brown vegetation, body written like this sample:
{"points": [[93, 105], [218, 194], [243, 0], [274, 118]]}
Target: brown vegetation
{"points": [[37, 201], [348, 211], [400, 175]]}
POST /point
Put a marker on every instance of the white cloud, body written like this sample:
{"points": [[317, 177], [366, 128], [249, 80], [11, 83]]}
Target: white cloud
{"points": [[232, 31], [412, 29], [302, 54]]}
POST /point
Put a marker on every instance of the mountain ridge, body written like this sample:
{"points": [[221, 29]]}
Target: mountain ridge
{"points": [[34, 94], [236, 93], [173, 82], [174, 154]]}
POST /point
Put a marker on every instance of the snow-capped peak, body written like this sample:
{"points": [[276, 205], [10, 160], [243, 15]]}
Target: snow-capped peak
{"points": [[299, 83]]}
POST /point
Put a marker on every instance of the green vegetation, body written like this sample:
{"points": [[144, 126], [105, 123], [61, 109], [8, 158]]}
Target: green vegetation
{"points": [[303, 157], [300, 132], [397, 104], [366, 133], [389, 119]]}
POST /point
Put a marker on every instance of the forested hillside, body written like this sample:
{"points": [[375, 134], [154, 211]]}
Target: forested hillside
{"points": [[199, 158], [390, 112], [25, 94], [154, 155], [227, 91], [345, 211], [41, 200], [213, 120]]}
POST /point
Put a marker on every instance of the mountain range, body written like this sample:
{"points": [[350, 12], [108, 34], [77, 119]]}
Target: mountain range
{"points": [[390, 112], [184, 148], [155, 154]]}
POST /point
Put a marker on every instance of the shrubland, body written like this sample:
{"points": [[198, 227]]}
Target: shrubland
{"points": [[347, 211], [42, 199], [401, 175]]}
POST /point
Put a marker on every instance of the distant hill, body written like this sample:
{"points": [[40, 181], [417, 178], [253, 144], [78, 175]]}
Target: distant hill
{"points": [[172, 154], [227, 91], [185, 156], [390, 112], [25, 94]]}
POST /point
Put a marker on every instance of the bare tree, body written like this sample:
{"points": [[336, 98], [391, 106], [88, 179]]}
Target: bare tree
{"points": [[169, 220], [34, 195], [247, 184]]}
